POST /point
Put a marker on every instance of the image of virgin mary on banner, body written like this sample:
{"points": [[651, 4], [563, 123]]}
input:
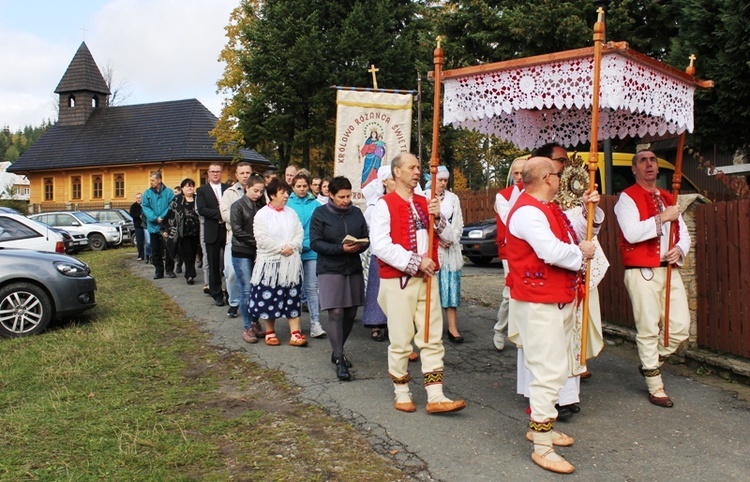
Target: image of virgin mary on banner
{"points": [[372, 126]]}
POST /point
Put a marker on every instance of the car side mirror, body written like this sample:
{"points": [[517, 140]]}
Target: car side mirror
{"points": [[75, 223]]}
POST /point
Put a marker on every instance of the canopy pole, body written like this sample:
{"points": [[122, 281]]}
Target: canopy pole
{"points": [[676, 182], [434, 162], [593, 163]]}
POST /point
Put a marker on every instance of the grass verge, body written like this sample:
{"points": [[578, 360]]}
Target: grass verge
{"points": [[133, 391]]}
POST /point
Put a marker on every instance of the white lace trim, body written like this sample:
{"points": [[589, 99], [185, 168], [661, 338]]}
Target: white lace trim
{"points": [[530, 106]]}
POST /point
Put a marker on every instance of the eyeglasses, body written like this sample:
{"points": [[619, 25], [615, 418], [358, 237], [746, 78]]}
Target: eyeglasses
{"points": [[558, 174]]}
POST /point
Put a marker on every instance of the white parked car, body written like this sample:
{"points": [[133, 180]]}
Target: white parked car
{"points": [[18, 231], [100, 235]]}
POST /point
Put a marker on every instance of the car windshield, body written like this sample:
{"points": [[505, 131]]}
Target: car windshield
{"points": [[126, 215], [85, 218], [39, 223]]}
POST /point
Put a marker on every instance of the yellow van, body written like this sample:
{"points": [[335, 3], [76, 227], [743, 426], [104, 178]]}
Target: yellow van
{"points": [[622, 173]]}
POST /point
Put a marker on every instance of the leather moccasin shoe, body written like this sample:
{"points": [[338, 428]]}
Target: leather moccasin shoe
{"points": [[445, 407], [413, 356], [661, 401], [406, 406], [559, 439], [559, 467]]}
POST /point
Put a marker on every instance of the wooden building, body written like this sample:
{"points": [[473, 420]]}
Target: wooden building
{"points": [[98, 155]]}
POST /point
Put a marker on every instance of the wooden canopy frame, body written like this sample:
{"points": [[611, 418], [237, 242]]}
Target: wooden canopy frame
{"points": [[597, 51]]}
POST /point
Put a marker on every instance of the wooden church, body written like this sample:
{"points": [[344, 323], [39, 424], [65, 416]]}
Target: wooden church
{"points": [[98, 155]]}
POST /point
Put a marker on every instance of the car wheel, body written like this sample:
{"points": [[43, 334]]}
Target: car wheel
{"points": [[25, 309], [97, 242], [480, 260]]}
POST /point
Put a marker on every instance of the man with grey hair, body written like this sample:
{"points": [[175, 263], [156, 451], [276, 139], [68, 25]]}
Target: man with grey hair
{"points": [[289, 173], [645, 214], [399, 237], [504, 200], [155, 205]]}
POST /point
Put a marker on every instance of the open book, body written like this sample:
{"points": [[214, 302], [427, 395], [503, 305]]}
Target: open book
{"points": [[349, 239]]}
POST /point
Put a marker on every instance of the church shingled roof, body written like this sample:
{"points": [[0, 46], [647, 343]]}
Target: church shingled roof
{"points": [[82, 74], [132, 134]]}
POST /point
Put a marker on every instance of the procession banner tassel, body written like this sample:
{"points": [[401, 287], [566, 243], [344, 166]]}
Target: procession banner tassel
{"points": [[434, 162], [593, 163]]}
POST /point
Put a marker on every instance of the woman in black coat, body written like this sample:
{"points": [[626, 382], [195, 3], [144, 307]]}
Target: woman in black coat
{"points": [[340, 280]]}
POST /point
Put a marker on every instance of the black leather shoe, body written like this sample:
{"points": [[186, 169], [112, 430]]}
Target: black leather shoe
{"points": [[455, 339], [171, 275], [219, 301], [158, 276], [342, 371], [190, 281], [573, 407], [178, 270], [563, 413], [346, 360]]}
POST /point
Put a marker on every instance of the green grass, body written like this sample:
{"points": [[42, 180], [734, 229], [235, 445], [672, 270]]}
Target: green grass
{"points": [[133, 391]]}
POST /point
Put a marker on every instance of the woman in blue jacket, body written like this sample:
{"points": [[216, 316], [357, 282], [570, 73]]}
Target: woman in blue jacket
{"points": [[304, 205]]}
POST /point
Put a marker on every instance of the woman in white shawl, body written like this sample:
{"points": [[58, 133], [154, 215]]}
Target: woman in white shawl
{"points": [[449, 255], [277, 274]]}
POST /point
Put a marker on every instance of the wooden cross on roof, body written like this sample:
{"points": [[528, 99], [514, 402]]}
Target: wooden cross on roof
{"points": [[373, 71]]}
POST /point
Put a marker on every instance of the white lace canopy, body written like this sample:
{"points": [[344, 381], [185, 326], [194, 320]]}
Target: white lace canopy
{"points": [[535, 104]]}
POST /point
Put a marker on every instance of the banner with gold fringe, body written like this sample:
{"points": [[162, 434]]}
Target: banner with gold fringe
{"points": [[372, 126]]}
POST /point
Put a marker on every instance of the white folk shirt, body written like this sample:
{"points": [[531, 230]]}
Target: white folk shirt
{"points": [[530, 224], [503, 206], [383, 246], [635, 231]]}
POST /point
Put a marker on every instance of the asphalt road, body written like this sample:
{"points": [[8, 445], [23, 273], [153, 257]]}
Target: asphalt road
{"points": [[619, 434]]}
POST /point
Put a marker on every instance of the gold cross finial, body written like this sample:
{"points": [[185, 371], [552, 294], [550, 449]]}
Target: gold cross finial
{"points": [[439, 39], [600, 14], [373, 70]]}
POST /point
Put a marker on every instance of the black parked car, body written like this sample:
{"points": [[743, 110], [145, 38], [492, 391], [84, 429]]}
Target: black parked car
{"points": [[478, 242], [37, 287]]}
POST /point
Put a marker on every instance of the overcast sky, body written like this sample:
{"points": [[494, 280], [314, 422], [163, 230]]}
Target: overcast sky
{"points": [[162, 49]]}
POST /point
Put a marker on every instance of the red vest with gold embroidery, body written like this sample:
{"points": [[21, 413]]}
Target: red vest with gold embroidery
{"points": [[403, 229], [646, 254], [531, 279], [501, 228]]}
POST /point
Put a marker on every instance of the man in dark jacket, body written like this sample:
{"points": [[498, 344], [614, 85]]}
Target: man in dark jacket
{"points": [[208, 198]]}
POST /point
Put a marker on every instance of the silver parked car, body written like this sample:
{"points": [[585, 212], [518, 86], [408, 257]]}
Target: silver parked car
{"points": [[37, 287], [100, 235], [116, 216]]}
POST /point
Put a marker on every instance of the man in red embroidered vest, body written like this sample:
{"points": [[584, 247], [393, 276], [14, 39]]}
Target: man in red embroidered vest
{"points": [[545, 281], [399, 239], [504, 200], [644, 213]]}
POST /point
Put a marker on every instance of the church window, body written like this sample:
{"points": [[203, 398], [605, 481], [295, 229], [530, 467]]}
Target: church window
{"points": [[75, 187], [49, 189], [71, 101], [96, 186], [95, 102], [119, 185]]}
